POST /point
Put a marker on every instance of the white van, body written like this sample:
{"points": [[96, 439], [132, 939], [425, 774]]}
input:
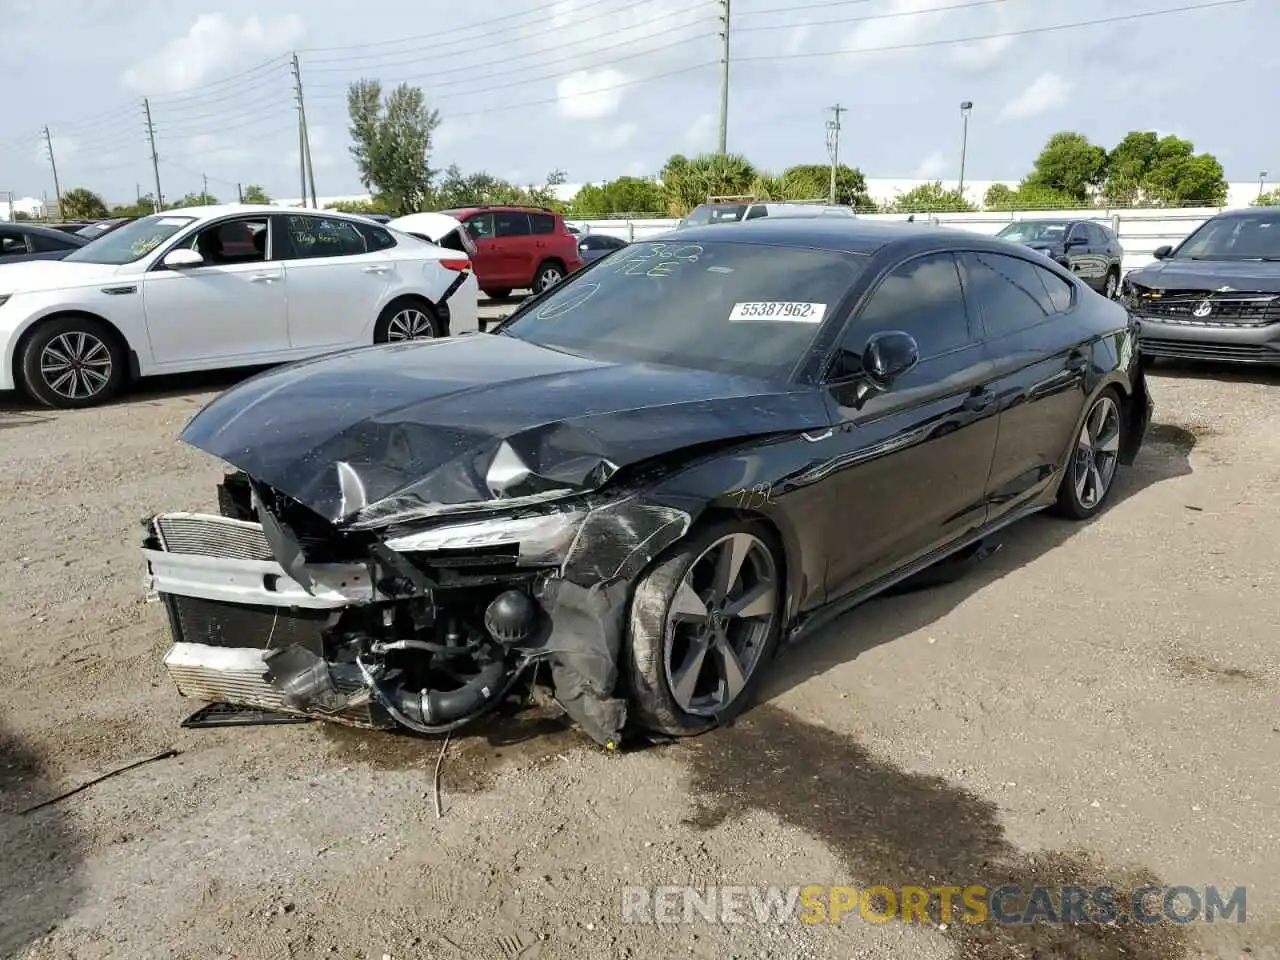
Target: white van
{"points": [[750, 210]]}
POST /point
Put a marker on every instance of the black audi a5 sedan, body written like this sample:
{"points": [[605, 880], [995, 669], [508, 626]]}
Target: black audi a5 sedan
{"points": [[645, 480], [1089, 250], [1216, 296]]}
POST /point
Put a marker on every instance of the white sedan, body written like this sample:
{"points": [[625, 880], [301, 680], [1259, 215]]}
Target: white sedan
{"points": [[222, 286]]}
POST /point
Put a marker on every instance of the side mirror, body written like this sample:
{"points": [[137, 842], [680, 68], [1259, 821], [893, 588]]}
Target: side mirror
{"points": [[889, 356], [1164, 252], [182, 258]]}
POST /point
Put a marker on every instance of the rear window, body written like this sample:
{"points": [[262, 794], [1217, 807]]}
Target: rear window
{"points": [[377, 238], [541, 223], [715, 213]]}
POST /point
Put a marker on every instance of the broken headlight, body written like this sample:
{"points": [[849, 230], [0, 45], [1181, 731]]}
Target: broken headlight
{"points": [[540, 538]]}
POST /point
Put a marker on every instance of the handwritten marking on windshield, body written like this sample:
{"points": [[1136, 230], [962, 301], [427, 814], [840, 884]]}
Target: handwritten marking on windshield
{"points": [[670, 257]]}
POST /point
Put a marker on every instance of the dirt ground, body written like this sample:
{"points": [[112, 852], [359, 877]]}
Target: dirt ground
{"points": [[1095, 703]]}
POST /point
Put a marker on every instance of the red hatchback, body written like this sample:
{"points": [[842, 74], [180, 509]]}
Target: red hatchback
{"points": [[519, 248]]}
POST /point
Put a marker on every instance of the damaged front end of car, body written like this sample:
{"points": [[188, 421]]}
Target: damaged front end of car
{"points": [[425, 622]]}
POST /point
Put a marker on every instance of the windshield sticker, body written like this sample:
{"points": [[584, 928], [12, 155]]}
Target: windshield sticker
{"points": [[173, 221], [558, 308], [777, 311]]}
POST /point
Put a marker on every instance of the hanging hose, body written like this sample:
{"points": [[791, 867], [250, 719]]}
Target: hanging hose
{"points": [[430, 707]]}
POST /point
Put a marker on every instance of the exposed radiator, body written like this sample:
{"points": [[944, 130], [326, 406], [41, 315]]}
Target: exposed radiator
{"points": [[209, 536]]}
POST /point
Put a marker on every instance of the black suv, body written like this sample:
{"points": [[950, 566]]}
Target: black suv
{"points": [[1088, 249]]}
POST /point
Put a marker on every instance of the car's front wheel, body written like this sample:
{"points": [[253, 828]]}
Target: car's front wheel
{"points": [[72, 362], [548, 275], [1095, 459], [705, 621]]}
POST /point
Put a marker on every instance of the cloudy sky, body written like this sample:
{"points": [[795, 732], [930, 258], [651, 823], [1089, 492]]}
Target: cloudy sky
{"points": [[605, 87]]}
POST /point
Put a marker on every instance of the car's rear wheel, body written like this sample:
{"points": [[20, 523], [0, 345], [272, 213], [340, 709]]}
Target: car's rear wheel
{"points": [[498, 293], [548, 275], [407, 319], [1095, 459], [72, 362], [1112, 284], [705, 621]]}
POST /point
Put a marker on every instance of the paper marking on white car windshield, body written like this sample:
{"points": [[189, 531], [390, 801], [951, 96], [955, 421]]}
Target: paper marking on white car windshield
{"points": [[777, 311]]}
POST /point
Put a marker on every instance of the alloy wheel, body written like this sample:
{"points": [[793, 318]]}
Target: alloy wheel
{"points": [[548, 278], [719, 622], [409, 324], [1097, 453], [76, 365]]}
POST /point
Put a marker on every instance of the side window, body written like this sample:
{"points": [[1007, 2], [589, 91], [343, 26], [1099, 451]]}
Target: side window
{"points": [[315, 237], [511, 224], [922, 297], [481, 226], [1099, 235], [1080, 231], [12, 243], [1060, 294], [43, 244], [233, 241], [542, 223], [376, 238], [1007, 291], [756, 212]]}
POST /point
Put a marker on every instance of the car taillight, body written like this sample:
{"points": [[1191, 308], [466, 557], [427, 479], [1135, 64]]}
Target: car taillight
{"points": [[462, 266]]}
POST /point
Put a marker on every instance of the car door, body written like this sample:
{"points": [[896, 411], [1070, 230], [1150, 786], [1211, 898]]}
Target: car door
{"points": [[1110, 252], [518, 246], [492, 269], [335, 284], [1031, 338], [912, 462], [231, 308]]}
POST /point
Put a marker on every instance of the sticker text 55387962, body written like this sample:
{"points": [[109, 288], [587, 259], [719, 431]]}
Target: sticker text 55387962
{"points": [[777, 311]]}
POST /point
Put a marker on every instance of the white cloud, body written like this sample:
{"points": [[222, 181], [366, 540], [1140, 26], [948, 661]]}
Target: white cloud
{"points": [[1046, 92], [931, 167], [64, 148], [450, 133], [214, 43], [590, 94], [616, 137], [797, 39], [214, 149], [899, 22], [981, 53], [637, 168], [701, 135], [324, 155]]}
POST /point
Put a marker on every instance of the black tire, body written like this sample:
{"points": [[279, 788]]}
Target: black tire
{"points": [[101, 363], [401, 317], [1071, 504], [652, 704], [1111, 285], [498, 293], [548, 274]]}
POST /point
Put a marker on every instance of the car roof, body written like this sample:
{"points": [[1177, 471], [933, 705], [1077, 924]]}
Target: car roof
{"points": [[37, 230], [839, 234], [1246, 212], [499, 207], [213, 211]]}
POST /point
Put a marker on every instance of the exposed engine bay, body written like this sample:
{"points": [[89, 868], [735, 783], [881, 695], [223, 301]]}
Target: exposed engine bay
{"points": [[425, 626]]}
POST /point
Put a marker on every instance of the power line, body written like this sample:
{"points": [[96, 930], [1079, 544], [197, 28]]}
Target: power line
{"points": [[276, 62], [877, 16]]}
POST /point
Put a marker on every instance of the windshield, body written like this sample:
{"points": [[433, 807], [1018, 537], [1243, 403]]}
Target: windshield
{"points": [[714, 213], [1034, 231], [735, 308], [131, 242], [1254, 236]]}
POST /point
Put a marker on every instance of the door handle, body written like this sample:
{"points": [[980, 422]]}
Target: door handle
{"points": [[978, 400], [264, 277], [376, 269], [1077, 361]]}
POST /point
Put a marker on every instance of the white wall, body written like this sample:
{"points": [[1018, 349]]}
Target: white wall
{"points": [[1140, 231]]}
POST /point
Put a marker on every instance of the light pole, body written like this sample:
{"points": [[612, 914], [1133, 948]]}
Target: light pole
{"points": [[965, 107], [1262, 183]]}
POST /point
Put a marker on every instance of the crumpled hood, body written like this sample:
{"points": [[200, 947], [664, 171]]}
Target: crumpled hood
{"points": [[378, 435], [33, 276], [1247, 276]]}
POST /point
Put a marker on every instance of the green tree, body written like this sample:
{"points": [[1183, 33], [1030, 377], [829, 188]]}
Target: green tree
{"points": [[144, 207], [812, 181], [1269, 199], [391, 143], [195, 200], [1070, 165], [458, 189], [19, 215], [82, 204], [1028, 196], [616, 197], [1145, 168], [931, 198], [688, 182], [255, 194]]}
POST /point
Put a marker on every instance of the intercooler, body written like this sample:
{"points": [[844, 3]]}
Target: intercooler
{"points": [[231, 606]]}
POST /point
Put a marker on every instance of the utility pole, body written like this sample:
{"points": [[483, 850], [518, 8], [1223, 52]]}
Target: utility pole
{"points": [[1262, 183], [724, 82], [53, 165], [965, 107], [240, 192], [158, 202], [833, 147], [304, 142], [204, 188]]}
